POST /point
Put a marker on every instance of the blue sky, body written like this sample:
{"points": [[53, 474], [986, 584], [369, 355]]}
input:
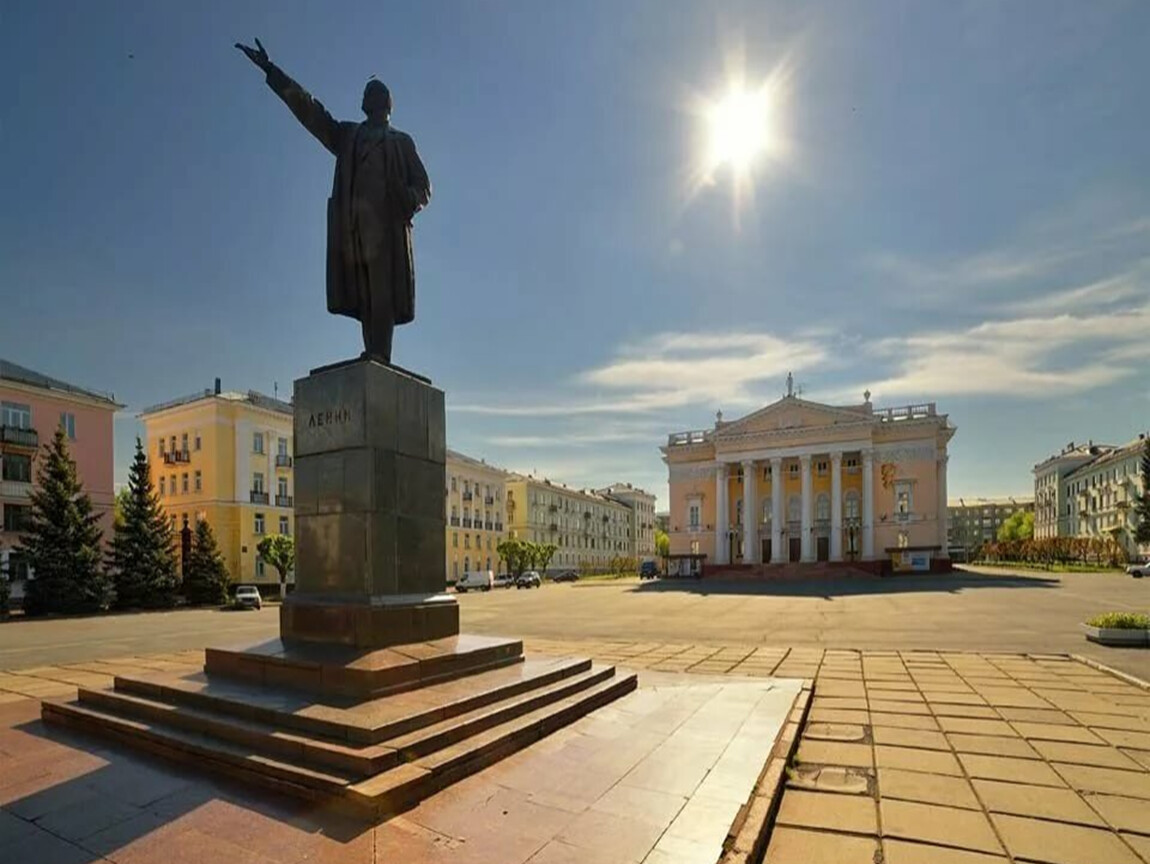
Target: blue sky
{"points": [[962, 214]]}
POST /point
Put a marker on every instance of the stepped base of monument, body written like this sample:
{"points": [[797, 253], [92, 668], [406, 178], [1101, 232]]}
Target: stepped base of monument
{"points": [[437, 712]]}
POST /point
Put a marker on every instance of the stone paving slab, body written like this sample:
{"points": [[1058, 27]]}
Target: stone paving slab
{"points": [[1052, 756]]}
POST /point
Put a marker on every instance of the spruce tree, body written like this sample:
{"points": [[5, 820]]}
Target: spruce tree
{"points": [[1142, 508], [205, 574], [62, 540], [143, 559]]}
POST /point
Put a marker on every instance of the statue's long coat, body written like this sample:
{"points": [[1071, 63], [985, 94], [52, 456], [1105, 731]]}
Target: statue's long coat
{"points": [[369, 254]]}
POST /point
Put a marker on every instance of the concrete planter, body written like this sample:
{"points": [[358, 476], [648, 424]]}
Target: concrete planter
{"points": [[1117, 637]]}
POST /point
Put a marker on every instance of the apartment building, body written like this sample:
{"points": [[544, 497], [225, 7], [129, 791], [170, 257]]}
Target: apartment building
{"points": [[476, 496]]}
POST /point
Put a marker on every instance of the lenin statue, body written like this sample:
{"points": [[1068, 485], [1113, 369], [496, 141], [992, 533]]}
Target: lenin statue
{"points": [[380, 184]]}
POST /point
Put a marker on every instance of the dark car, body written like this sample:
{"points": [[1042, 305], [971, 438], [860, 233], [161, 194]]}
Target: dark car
{"points": [[566, 576], [648, 570]]}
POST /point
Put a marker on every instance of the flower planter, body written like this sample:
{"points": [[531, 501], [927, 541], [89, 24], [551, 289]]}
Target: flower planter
{"points": [[1118, 637]]}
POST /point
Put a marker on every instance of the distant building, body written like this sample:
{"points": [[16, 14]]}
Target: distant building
{"points": [[974, 521], [1100, 495], [226, 457], [476, 494], [32, 407], [1052, 506], [663, 521], [590, 529], [799, 481], [642, 507]]}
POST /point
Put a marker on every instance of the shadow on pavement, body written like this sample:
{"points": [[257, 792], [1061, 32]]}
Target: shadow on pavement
{"points": [[844, 586], [70, 798]]}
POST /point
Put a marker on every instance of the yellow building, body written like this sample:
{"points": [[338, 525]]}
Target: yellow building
{"points": [[227, 458], [589, 529], [475, 507], [799, 481]]}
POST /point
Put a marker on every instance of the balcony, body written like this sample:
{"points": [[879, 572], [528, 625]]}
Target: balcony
{"points": [[175, 457], [283, 460], [467, 496], [258, 497], [498, 526], [466, 523], [284, 500], [489, 500], [19, 437], [455, 521], [553, 527], [15, 489], [487, 526]]}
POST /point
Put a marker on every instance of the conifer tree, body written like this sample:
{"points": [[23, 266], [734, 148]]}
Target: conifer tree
{"points": [[62, 540], [205, 574], [143, 559], [1142, 508]]}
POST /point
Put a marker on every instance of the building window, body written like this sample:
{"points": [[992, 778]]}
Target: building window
{"points": [[15, 414], [902, 499], [16, 517], [68, 421], [184, 483], [172, 484], [455, 539], [466, 541], [258, 442], [281, 487], [199, 479], [795, 509], [768, 515], [259, 567], [693, 514], [17, 467], [163, 486], [172, 444], [281, 447], [184, 443], [822, 467], [453, 486], [257, 482], [285, 526], [823, 508], [739, 512], [197, 440], [258, 528], [161, 446]]}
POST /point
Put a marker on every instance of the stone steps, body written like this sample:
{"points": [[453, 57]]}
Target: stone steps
{"points": [[419, 752]]}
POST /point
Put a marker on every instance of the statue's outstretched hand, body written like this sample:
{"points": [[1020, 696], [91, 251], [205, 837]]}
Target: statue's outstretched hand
{"points": [[257, 55]]}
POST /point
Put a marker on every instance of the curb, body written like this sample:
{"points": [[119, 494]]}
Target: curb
{"points": [[1102, 667], [751, 830]]}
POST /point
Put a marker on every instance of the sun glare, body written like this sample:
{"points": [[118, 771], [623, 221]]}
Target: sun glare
{"points": [[739, 128]]}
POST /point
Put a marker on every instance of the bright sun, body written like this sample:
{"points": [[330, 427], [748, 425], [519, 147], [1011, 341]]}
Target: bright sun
{"points": [[739, 127]]}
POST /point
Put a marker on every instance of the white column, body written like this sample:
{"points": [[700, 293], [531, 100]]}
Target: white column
{"points": [[777, 555], [721, 515], [750, 514], [868, 506], [808, 538], [943, 512], [836, 507]]}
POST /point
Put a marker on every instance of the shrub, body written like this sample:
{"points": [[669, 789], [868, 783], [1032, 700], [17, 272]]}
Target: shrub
{"points": [[1121, 621]]}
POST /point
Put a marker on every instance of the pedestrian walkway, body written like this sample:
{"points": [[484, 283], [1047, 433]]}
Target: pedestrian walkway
{"points": [[918, 757]]}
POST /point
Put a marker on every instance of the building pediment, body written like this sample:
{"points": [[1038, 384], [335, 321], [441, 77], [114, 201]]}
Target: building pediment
{"points": [[792, 413]]}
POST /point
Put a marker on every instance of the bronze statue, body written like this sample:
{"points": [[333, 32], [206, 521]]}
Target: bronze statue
{"points": [[380, 184]]}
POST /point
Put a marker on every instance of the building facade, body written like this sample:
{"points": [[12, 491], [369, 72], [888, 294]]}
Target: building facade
{"points": [[226, 457], [32, 407], [476, 496], [642, 511], [590, 530], [1101, 495], [975, 521], [1052, 506], [798, 481]]}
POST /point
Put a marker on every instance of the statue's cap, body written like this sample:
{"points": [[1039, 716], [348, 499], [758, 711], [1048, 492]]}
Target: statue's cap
{"points": [[375, 90]]}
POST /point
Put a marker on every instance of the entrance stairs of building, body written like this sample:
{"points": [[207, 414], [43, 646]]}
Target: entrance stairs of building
{"points": [[790, 572]]}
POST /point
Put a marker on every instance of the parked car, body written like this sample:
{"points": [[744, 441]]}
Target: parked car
{"points": [[248, 597], [528, 579], [648, 570], [1138, 570], [565, 576], [475, 580], [504, 580]]}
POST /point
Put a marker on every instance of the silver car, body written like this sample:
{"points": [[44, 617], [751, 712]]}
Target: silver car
{"points": [[248, 597]]}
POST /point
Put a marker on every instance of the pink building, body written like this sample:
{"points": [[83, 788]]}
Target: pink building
{"points": [[32, 406]]}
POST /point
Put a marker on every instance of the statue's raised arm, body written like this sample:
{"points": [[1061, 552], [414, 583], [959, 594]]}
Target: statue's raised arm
{"points": [[307, 109]]}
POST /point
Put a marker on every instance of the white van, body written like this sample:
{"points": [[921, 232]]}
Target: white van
{"points": [[475, 580]]}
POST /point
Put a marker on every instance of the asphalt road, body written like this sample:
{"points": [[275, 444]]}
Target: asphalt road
{"points": [[984, 610]]}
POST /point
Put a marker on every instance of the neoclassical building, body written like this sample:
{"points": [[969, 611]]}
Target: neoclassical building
{"points": [[798, 481]]}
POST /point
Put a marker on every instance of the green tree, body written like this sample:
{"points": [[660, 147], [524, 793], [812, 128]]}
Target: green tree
{"points": [[1142, 507], [662, 543], [517, 553], [1019, 525], [118, 505], [62, 540], [544, 552], [205, 574], [279, 551], [143, 559]]}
